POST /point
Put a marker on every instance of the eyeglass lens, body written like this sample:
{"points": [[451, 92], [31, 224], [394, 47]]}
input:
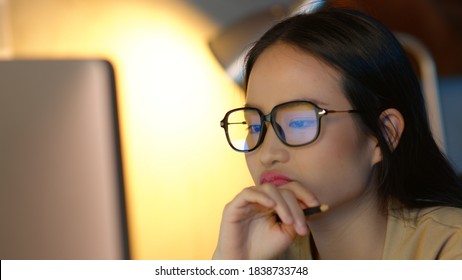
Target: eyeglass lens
{"points": [[294, 123]]}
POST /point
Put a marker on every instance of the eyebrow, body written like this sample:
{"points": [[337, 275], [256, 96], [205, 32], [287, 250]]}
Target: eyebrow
{"points": [[315, 101]]}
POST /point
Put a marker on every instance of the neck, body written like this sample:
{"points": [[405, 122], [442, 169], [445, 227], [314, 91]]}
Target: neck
{"points": [[355, 230]]}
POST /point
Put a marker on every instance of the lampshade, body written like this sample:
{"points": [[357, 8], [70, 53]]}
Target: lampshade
{"points": [[231, 44]]}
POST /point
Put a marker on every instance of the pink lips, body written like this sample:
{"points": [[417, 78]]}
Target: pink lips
{"points": [[274, 178]]}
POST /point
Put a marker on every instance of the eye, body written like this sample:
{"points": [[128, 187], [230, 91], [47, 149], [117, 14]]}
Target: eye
{"points": [[254, 128], [303, 123]]}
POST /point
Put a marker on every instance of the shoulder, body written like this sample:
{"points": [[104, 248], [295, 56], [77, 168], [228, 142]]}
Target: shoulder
{"points": [[430, 233], [448, 218]]}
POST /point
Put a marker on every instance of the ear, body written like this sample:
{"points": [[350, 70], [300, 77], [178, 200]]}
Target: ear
{"points": [[392, 126]]}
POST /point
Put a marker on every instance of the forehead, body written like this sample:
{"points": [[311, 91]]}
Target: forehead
{"points": [[285, 73]]}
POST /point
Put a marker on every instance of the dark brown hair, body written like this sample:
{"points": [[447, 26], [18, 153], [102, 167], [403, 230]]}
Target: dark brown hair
{"points": [[377, 75]]}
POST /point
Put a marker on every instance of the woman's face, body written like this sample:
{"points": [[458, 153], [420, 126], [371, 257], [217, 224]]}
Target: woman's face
{"points": [[337, 167]]}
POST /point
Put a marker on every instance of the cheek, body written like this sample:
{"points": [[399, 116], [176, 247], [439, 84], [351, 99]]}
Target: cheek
{"points": [[251, 161], [338, 168]]}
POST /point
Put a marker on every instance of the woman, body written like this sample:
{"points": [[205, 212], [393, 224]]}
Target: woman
{"points": [[334, 115]]}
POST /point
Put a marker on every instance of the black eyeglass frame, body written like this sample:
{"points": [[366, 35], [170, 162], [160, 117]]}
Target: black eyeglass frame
{"points": [[270, 118]]}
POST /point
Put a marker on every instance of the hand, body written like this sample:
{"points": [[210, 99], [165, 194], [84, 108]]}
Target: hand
{"points": [[250, 228]]}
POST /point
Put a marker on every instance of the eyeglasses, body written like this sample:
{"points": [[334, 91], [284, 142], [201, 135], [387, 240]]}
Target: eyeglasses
{"points": [[295, 123]]}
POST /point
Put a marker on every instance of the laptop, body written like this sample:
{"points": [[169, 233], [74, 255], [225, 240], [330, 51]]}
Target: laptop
{"points": [[61, 181]]}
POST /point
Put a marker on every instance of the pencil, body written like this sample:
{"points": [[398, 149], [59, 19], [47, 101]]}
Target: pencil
{"points": [[308, 211], [314, 210]]}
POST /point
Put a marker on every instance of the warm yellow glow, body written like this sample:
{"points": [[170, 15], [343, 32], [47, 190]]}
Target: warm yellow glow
{"points": [[179, 170]]}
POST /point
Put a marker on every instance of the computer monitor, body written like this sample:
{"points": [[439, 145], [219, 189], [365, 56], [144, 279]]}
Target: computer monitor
{"points": [[61, 183]]}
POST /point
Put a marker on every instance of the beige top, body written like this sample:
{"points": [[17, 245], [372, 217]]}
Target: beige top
{"points": [[431, 233]]}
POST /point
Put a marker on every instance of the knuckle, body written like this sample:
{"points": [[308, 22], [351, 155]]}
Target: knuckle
{"points": [[247, 191], [267, 187], [287, 193]]}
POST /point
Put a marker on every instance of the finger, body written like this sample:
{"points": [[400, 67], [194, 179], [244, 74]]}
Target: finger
{"points": [[300, 225], [247, 201], [303, 194], [254, 195], [281, 208]]}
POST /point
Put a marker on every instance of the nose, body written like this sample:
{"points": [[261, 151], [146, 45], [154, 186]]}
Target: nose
{"points": [[272, 150]]}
